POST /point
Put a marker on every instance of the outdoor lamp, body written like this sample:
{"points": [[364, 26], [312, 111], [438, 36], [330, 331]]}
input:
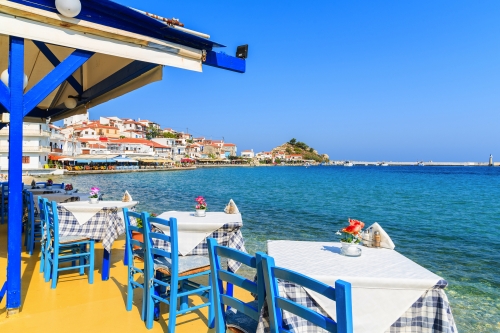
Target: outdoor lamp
{"points": [[70, 102], [5, 78], [69, 8]]}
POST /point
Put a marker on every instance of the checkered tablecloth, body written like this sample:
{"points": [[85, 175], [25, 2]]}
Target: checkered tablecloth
{"points": [[106, 225], [228, 235], [431, 313]]}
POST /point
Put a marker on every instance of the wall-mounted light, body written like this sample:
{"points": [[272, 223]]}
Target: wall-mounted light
{"points": [[70, 102], [69, 8], [5, 78]]}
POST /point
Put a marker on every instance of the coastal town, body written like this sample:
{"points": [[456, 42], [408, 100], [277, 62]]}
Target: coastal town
{"points": [[113, 143]]}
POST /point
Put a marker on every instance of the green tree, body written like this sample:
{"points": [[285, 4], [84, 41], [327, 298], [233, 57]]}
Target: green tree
{"points": [[311, 150], [277, 160], [152, 132], [293, 141], [297, 150], [169, 135], [288, 150], [301, 145]]}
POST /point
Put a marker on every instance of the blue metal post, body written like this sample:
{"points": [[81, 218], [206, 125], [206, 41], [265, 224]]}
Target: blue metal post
{"points": [[16, 76]]}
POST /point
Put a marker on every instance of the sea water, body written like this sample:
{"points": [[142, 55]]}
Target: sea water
{"points": [[445, 219]]}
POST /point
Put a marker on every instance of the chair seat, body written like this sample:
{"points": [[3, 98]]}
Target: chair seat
{"points": [[187, 265], [241, 323], [71, 239]]}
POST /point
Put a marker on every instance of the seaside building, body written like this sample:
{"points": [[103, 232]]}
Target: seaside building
{"points": [[36, 146], [247, 153], [138, 146], [229, 149], [76, 119]]}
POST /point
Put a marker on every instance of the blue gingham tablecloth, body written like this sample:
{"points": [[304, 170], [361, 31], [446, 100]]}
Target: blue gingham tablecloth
{"points": [[431, 313], [106, 225], [228, 235]]}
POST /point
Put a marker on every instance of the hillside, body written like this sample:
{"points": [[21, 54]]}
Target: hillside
{"points": [[296, 147]]}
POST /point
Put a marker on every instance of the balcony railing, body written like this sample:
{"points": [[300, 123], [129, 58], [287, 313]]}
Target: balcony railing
{"points": [[27, 132], [57, 136], [28, 149], [56, 150]]}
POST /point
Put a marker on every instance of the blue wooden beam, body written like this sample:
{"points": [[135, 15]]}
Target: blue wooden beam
{"points": [[4, 96], [126, 74], [3, 291], [52, 80], [16, 77], [224, 61], [55, 62]]}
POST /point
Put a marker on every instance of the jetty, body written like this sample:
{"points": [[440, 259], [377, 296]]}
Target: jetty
{"points": [[420, 163]]}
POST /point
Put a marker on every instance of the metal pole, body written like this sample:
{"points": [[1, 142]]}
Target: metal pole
{"points": [[16, 76]]}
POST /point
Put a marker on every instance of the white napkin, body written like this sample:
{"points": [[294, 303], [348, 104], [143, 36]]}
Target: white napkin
{"points": [[84, 211], [231, 208], [385, 240], [126, 197]]}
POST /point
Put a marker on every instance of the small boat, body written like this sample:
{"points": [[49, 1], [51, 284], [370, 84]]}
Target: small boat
{"points": [[348, 164], [307, 164], [384, 164], [420, 164]]}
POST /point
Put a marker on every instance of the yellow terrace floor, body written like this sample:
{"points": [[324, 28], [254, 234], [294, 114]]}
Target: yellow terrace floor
{"points": [[76, 306]]}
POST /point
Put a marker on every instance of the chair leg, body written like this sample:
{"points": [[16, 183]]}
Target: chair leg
{"points": [[172, 315], [82, 260], [184, 299], [42, 256], [55, 269], [31, 240], [130, 291], [150, 305], [211, 309], [91, 263]]}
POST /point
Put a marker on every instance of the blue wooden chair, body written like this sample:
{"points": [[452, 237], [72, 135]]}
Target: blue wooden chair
{"points": [[58, 186], [246, 318], [165, 269], [33, 231], [42, 203], [5, 201], [131, 254], [65, 249], [341, 294], [41, 184]]}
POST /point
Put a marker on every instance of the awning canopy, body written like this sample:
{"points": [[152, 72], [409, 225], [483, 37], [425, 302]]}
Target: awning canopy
{"points": [[124, 159], [124, 47], [94, 160]]}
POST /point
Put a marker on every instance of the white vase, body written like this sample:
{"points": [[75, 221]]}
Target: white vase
{"points": [[94, 200], [350, 249], [200, 212]]}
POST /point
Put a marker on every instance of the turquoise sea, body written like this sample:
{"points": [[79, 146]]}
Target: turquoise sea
{"points": [[445, 219]]}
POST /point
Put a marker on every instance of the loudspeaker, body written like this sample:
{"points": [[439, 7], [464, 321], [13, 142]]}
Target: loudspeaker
{"points": [[242, 51]]}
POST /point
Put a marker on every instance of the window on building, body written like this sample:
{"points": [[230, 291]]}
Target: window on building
{"points": [[26, 159], [107, 131], [86, 132]]}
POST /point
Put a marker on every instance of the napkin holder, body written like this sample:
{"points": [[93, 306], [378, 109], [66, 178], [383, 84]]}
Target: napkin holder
{"points": [[369, 237], [231, 208], [126, 197]]}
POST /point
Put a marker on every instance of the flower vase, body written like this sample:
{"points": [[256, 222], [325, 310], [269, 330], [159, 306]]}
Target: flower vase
{"points": [[94, 200], [200, 213], [350, 249]]}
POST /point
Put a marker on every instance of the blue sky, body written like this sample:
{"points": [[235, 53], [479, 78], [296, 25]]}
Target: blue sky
{"points": [[362, 80]]}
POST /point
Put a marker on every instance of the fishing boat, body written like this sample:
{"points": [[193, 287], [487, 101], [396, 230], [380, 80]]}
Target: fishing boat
{"points": [[348, 164], [420, 164], [384, 164]]}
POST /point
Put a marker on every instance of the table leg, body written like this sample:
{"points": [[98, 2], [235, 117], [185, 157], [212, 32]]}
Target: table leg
{"points": [[105, 265]]}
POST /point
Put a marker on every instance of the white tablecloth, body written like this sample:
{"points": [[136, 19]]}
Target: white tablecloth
{"points": [[384, 282], [192, 230], [84, 210], [60, 197]]}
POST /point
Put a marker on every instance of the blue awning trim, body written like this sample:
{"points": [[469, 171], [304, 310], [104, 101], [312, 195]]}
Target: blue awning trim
{"points": [[118, 16]]}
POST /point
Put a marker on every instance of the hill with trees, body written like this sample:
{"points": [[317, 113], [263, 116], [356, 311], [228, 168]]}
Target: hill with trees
{"points": [[297, 147]]}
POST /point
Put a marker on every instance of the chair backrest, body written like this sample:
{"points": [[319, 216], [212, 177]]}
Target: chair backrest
{"points": [[129, 229], [52, 221], [220, 275], [30, 205], [41, 184], [171, 238], [42, 203], [341, 294], [60, 185]]}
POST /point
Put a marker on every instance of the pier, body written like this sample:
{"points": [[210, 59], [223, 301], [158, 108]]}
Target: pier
{"points": [[430, 163]]}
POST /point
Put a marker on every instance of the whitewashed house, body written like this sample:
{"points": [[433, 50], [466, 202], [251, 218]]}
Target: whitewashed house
{"points": [[248, 153], [36, 147]]}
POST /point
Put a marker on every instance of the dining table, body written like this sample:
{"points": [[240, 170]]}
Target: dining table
{"points": [[99, 221], [61, 197], [390, 292]]}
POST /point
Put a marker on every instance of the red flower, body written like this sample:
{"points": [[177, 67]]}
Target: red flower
{"points": [[356, 222]]}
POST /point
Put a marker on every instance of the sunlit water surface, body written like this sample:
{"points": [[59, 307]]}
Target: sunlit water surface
{"points": [[445, 219]]}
